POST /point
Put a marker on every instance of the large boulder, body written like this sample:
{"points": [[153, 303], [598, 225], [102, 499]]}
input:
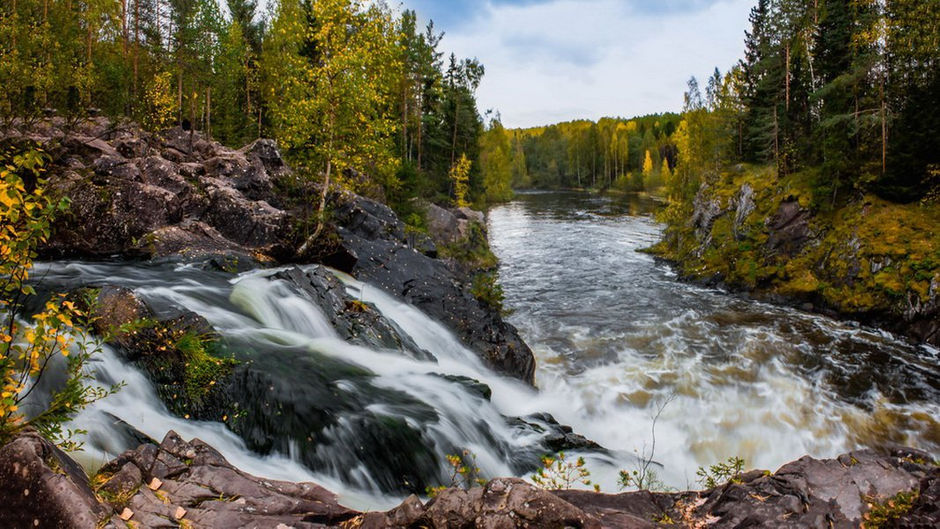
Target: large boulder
{"points": [[40, 486]]}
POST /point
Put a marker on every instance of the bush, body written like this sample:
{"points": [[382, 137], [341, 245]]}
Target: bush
{"points": [[557, 473], [720, 473], [31, 349]]}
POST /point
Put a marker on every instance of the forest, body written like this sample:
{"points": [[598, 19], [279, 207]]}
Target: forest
{"points": [[842, 91], [846, 90], [342, 85]]}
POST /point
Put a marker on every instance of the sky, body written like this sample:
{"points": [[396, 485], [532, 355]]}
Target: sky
{"points": [[549, 61]]}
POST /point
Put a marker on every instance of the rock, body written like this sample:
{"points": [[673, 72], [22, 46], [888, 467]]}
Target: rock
{"points": [[471, 215], [743, 204], [43, 487], [199, 485], [117, 167], [250, 223], [266, 152], [372, 248], [195, 240], [442, 225], [705, 211], [789, 229], [356, 322]]}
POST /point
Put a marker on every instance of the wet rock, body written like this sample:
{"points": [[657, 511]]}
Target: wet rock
{"points": [[372, 247], [355, 321], [43, 487]]}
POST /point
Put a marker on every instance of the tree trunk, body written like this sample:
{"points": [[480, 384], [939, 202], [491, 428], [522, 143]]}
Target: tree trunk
{"points": [[787, 76], [134, 86], [323, 194], [453, 147]]}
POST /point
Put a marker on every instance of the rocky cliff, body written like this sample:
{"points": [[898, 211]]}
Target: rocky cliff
{"points": [[869, 260], [178, 195]]}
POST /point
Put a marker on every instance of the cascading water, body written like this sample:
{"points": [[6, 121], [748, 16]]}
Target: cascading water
{"points": [[617, 340]]}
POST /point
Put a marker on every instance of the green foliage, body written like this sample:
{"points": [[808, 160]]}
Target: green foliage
{"points": [[486, 289], [203, 363], [643, 478], [473, 251], [884, 513], [464, 473], [557, 473], [609, 153], [720, 473]]}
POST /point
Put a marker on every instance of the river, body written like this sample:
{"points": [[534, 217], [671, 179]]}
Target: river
{"points": [[618, 340]]}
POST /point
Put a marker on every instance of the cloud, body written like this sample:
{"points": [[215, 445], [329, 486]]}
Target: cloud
{"points": [[552, 60]]}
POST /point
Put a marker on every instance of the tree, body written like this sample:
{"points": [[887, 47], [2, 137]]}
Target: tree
{"points": [[496, 163], [460, 176], [335, 111]]}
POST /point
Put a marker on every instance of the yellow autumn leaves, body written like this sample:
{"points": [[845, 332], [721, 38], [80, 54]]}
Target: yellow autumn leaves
{"points": [[26, 348]]}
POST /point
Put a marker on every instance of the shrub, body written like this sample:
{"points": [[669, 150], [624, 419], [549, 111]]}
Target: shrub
{"points": [[557, 473], [720, 473], [30, 349], [464, 473]]}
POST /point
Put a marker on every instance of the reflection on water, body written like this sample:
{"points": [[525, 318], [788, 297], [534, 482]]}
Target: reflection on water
{"points": [[616, 336]]}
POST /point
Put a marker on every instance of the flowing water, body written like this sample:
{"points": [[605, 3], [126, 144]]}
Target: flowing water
{"points": [[618, 341]]}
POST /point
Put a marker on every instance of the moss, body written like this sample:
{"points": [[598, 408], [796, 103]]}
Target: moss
{"points": [[473, 251], [203, 364], [884, 513], [865, 256]]}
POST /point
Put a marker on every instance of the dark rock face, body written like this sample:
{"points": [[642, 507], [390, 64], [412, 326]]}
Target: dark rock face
{"points": [[131, 190], [373, 249], [356, 322]]}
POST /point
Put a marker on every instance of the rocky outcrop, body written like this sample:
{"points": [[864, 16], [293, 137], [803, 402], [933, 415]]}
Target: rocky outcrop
{"points": [[178, 195], [189, 484], [868, 260], [137, 194], [373, 247]]}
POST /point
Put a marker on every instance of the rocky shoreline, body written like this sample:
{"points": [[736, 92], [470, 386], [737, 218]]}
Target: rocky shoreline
{"points": [[869, 261], [180, 484]]}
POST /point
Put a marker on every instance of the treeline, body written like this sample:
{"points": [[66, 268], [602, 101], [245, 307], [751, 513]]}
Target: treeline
{"points": [[626, 154], [348, 87], [844, 90]]}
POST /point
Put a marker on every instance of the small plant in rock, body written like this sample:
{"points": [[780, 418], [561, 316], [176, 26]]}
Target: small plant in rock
{"points": [[883, 513], [720, 473], [464, 473], [557, 473], [643, 476]]}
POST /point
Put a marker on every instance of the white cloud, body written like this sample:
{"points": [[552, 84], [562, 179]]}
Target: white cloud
{"points": [[566, 59]]}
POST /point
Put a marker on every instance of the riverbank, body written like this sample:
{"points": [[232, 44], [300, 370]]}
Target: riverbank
{"points": [[190, 485], [867, 259]]}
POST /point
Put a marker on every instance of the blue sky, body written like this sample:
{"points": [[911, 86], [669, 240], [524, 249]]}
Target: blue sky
{"points": [[555, 60]]}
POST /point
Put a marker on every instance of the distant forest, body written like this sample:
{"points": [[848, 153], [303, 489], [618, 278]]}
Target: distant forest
{"points": [[847, 91]]}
